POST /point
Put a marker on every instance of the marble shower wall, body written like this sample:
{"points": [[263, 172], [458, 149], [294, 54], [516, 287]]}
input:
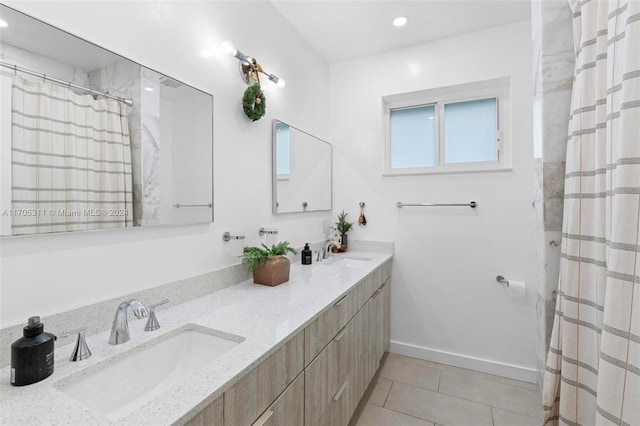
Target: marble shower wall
{"points": [[553, 61], [150, 147], [124, 79]]}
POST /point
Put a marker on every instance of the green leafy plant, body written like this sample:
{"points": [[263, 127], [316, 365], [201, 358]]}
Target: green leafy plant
{"points": [[342, 225], [254, 257]]}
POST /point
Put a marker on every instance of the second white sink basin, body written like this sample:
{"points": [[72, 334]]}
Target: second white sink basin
{"points": [[349, 261], [135, 377]]}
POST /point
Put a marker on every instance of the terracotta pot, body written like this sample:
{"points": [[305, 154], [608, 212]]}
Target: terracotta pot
{"points": [[342, 249], [275, 271], [343, 245]]}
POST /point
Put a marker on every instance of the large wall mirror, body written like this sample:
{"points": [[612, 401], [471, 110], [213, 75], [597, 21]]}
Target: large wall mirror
{"points": [[91, 140], [302, 175]]}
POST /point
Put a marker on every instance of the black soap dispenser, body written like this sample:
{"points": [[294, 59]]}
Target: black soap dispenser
{"points": [[307, 255], [32, 355]]}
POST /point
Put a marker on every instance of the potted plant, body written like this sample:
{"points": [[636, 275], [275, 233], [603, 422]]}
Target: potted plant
{"points": [[343, 227], [269, 265]]}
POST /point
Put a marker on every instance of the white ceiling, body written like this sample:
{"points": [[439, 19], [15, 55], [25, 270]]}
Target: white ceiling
{"points": [[342, 30]]}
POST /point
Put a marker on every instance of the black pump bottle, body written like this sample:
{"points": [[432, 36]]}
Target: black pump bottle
{"points": [[32, 355], [306, 255]]}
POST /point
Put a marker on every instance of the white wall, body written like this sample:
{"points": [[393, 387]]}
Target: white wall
{"points": [[42, 275], [446, 303]]}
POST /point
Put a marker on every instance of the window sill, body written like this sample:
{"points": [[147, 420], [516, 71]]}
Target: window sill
{"points": [[445, 171]]}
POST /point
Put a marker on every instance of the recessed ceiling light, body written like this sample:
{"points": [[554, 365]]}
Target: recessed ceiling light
{"points": [[149, 89], [400, 21], [3, 23]]}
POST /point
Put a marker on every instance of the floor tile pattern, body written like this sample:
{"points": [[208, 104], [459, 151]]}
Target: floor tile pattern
{"points": [[408, 391]]}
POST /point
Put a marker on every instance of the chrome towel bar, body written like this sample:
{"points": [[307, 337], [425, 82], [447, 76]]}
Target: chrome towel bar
{"points": [[177, 206], [226, 236], [400, 204]]}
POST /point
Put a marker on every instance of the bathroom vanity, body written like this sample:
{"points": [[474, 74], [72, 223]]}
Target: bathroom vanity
{"points": [[300, 353]]}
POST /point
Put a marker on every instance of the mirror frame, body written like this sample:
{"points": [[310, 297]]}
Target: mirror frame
{"points": [[149, 226], [274, 175]]}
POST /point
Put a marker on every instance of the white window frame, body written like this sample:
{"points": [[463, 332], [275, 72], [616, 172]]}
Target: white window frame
{"points": [[498, 88]]}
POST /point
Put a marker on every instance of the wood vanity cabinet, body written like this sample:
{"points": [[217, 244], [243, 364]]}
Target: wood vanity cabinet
{"points": [[338, 377], [320, 375]]}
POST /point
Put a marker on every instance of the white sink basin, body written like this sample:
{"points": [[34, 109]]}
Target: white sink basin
{"points": [[133, 378], [349, 261]]}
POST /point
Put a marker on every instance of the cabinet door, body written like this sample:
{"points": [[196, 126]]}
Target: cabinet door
{"points": [[378, 328], [328, 380], [386, 318], [288, 409], [211, 415], [360, 364], [256, 390]]}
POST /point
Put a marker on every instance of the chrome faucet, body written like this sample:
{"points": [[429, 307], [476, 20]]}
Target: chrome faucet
{"points": [[329, 253], [152, 322], [120, 328], [81, 351]]}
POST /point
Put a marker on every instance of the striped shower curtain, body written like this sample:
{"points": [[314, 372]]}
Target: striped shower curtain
{"points": [[71, 160], [593, 366]]}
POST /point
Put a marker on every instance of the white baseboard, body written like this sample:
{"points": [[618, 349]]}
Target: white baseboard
{"points": [[511, 371]]}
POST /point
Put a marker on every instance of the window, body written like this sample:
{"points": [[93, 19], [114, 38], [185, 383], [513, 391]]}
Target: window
{"points": [[450, 129]]}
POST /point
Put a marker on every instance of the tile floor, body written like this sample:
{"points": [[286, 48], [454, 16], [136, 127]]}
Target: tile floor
{"points": [[411, 392]]}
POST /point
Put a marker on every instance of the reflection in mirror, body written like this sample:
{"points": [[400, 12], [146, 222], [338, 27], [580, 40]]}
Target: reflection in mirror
{"points": [[302, 178], [91, 140]]}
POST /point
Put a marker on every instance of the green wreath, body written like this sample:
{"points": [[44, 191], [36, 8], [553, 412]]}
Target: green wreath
{"points": [[254, 102]]}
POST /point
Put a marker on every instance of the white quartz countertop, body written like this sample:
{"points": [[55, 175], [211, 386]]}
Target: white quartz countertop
{"points": [[264, 316]]}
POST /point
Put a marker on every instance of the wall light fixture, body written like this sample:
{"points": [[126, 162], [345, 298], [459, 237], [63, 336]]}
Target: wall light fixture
{"points": [[249, 67]]}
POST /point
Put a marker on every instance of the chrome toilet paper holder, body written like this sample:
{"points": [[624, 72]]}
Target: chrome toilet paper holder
{"points": [[502, 280]]}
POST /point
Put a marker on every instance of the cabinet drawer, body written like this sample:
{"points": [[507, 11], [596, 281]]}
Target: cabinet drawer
{"points": [[370, 284], [288, 409], [211, 415], [257, 390], [328, 380], [323, 329]]}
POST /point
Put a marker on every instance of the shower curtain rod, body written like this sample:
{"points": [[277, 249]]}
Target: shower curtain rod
{"points": [[65, 83]]}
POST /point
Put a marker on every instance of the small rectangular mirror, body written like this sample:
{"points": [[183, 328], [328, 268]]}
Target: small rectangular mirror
{"points": [[302, 171]]}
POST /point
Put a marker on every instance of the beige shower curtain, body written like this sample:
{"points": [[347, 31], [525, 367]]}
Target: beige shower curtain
{"points": [[593, 366], [70, 160]]}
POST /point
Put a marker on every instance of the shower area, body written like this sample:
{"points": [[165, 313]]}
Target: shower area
{"points": [[586, 100], [69, 157], [71, 141]]}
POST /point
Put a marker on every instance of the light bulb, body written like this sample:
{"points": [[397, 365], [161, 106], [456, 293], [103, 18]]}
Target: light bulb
{"points": [[400, 21], [229, 48], [281, 83], [3, 23]]}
